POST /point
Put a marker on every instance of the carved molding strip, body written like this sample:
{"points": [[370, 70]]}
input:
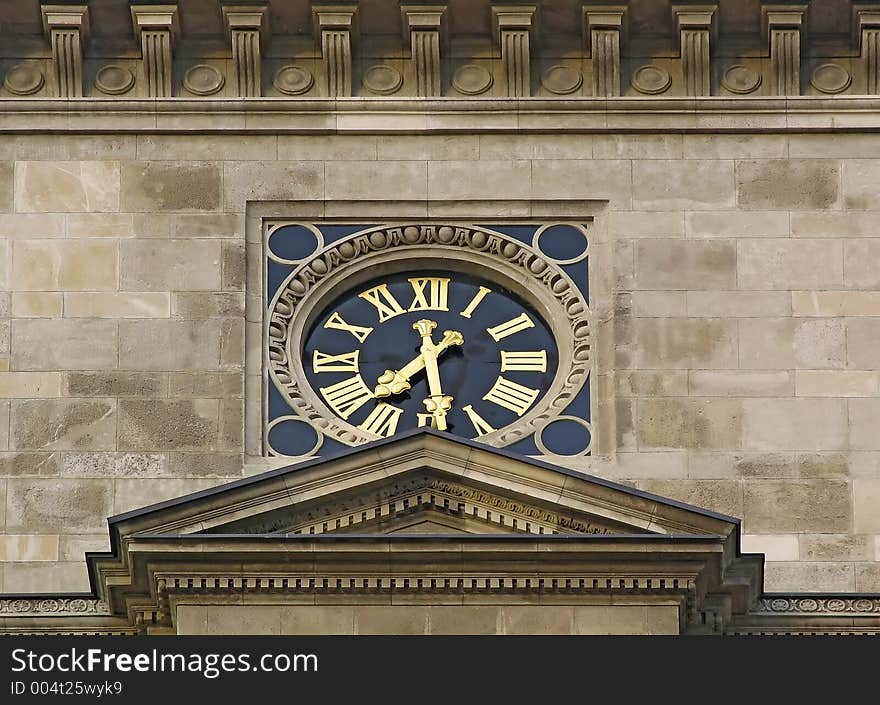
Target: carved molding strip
{"points": [[68, 30], [248, 28], [158, 28], [603, 27], [53, 607], [804, 605]]}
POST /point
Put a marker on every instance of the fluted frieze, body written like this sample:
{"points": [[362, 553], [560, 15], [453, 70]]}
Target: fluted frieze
{"points": [[783, 25], [334, 25], [422, 26], [248, 28], [158, 27], [603, 27], [695, 26], [513, 25], [68, 29]]}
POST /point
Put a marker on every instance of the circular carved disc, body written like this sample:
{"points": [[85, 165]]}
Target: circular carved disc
{"points": [[293, 80], [23, 79], [830, 78], [741, 79], [472, 80], [203, 80], [651, 79], [383, 80], [114, 80], [562, 80]]}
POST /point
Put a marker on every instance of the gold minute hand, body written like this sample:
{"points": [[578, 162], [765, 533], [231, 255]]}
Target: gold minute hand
{"points": [[397, 381], [437, 404]]}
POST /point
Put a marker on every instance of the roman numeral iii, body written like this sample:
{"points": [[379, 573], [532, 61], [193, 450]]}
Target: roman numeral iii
{"points": [[382, 420], [512, 396], [429, 294], [386, 305], [347, 396], [335, 322], [530, 361], [514, 325]]}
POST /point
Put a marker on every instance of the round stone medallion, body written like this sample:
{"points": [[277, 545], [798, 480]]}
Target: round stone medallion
{"points": [[293, 80], [741, 79], [203, 80], [382, 79], [114, 80], [830, 78], [562, 80], [23, 79], [651, 79], [472, 80]]}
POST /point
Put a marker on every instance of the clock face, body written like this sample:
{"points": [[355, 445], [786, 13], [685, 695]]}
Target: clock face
{"points": [[434, 348]]}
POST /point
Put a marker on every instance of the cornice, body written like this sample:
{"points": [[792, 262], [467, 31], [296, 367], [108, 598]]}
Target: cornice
{"points": [[438, 115]]}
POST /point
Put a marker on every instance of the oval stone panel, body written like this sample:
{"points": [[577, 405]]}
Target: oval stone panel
{"points": [[472, 80], [562, 80], [830, 78], [114, 80], [651, 79], [23, 79], [293, 80], [741, 79], [203, 80], [383, 80]]}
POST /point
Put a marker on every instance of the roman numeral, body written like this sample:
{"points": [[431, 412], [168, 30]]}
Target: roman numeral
{"points": [[425, 420], [512, 396], [437, 294], [514, 325], [479, 423], [532, 361], [347, 396], [336, 323], [346, 362], [382, 420], [478, 297], [385, 303]]}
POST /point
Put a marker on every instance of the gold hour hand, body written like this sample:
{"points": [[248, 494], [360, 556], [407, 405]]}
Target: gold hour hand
{"points": [[438, 403]]}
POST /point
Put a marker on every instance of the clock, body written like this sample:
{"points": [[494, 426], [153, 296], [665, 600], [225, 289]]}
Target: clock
{"points": [[481, 331], [439, 348]]}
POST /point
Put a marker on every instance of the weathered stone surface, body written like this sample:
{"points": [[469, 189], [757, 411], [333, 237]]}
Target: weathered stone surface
{"points": [[271, 181], [169, 345], [28, 547], [99, 225], [514, 147], [43, 147], [430, 147], [375, 180], [730, 224], [176, 265], [782, 547], [41, 265], [834, 224], [637, 224], [32, 225], [134, 493], [867, 577], [57, 506], [860, 178], [738, 146], [776, 506], [723, 496], [197, 305], [46, 577], [114, 384], [112, 465], [30, 464], [682, 185], [37, 304], [768, 465], [22, 385], [653, 304], [484, 179], [152, 304], [863, 343], [785, 343], [821, 577], [837, 383], [788, 184], [170, 186], [233, 266], [206, 464], [835, 303], [741, 383], [206, 147], [326, 148], [650, 383], [789, 264], [73, 547], [688, 423], [158, 425], [836, 547], [232, 342], [685, 343], [823, 464], [860, 263], [53, 187], [794, 424], [864, 421], [223, 385], [63, 424], [188, 225], [681, 264], [231, 435], [636, 146], [63, 345], [6, 186]]}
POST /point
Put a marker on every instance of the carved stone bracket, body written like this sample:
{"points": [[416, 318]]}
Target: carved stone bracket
{"points": [[868, 28], [334, 27], [603, 25], [158, 28], [248, 28], [68, 29], [782, 26], [513, 25], [422, 26], [696, 26]]}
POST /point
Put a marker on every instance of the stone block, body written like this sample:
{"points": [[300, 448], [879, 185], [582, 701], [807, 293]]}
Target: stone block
{"points": [[464, 180], [653, 304], [72, 547], [635, 146], [864, 464], [52, 344], [832, 145], [42, 147], [188, 225], [796, 506], [860, 259], [30, 464], [6, 186], [734, 146], [63, 424], [37, 304], [834, 224], [835, 303], [429, 147], [169, 345], [736, 224], [741, 383], [41, 265], [170, 186], [775, 547], [650, 383], [231, 434], [324, 619], [32, 225], [198, 305], [206, 465], [232, 342], [56, 506], [28, 547], [376, 180], [794, 424], [112, 465], [683, 185], [329, 148], [707, 343], [724, 496], [66, 187], [860, 177], [114, 384], [206, 147], [688, 423], [788, 184], [837, 383], [23, 385], [532, 619], [821, 577], [152, 304], [864, 423], [233, 262], [823, 464], [867, 578], [863, 343], [789, 264], [160, 425], [100, 225], [271, 181], [223, 385], [46, 577], [785, 343], [252, 619], [134, 493], [512, 147], [460, 619], [175, 265], [769, 465], [711, 464], [637, 224], [836, 547], [605, 620], [682, 264]]}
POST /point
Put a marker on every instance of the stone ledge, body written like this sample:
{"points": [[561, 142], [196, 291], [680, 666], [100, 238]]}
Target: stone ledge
{"points": [[439, 115]]}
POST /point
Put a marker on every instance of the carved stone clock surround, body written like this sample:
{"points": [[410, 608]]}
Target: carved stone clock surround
{"points": [[599, 316]]}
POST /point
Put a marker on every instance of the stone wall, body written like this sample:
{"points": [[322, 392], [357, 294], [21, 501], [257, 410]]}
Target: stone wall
{"points": [[745, 267]]}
